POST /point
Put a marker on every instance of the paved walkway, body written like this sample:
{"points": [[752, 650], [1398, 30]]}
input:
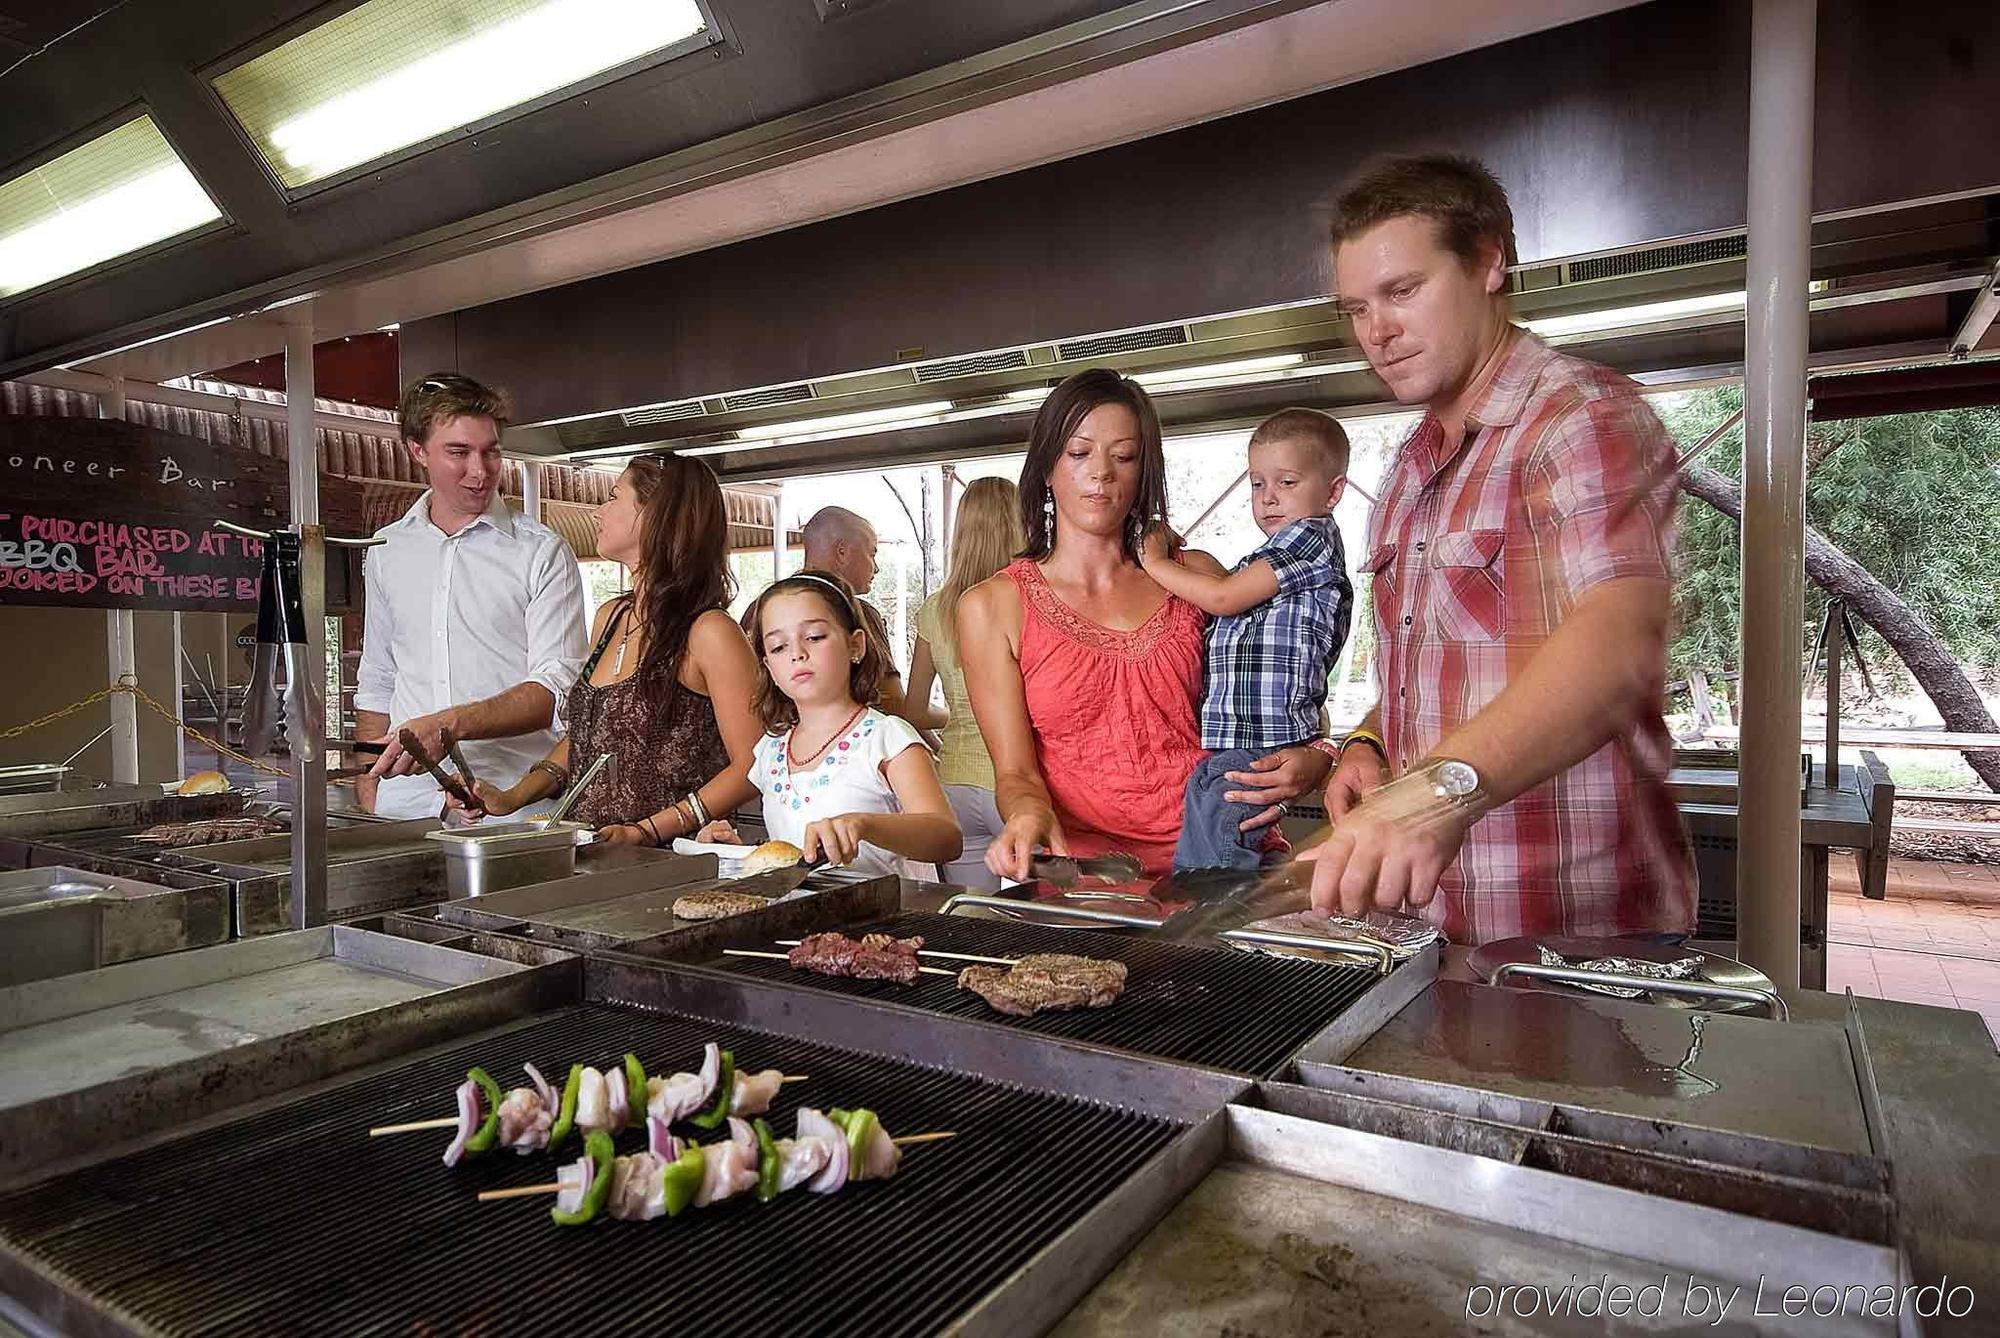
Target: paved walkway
{"points": [[1935, 940]]}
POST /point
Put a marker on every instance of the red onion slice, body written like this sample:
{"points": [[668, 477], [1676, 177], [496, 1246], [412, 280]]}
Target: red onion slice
{"points": [[711, 1072], [468, 1121], [542, 1088], [812, 1124], [660, 1142], [745, 1138]]}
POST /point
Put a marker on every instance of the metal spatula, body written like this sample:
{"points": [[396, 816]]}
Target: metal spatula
{"points": [[782, 882], [1064, 870]]}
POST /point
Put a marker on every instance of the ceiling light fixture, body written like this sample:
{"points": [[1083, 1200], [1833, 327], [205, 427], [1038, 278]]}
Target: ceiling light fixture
{"points": [[1238, 367], [119, 193], [388, 74], [1646, 313], [806, 428]]}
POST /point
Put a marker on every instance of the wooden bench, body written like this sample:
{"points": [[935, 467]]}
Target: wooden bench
{"points": [[1878, 792]]}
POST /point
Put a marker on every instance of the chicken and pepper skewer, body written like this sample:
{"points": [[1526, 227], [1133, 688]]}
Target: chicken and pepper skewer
{"points": [[528, 1119], [829, 1152]]}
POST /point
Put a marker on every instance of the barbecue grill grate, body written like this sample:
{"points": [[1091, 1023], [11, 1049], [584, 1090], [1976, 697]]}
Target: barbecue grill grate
{"points": [[291, 1220], [1219, 1007]]}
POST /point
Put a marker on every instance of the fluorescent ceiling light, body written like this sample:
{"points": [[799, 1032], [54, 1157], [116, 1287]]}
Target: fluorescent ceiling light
{"points": [[1239, 367], [809, 428], [1303, 371], [1035, 393], [119, 193], [388, 74], [983, 411], [1587, 322]]}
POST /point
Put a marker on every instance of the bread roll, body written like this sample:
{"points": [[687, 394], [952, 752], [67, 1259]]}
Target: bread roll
{"points": [[772, 855], [205, 782]]}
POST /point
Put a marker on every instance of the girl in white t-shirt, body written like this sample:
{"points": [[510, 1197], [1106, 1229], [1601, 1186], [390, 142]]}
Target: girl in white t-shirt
{"points": [[839, 778]]}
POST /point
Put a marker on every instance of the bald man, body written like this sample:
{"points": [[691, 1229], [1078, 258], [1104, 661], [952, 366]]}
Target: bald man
{"points": [[843, 543]]}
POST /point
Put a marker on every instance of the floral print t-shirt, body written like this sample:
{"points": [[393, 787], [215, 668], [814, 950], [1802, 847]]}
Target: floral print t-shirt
{"points": [[847, 778]]}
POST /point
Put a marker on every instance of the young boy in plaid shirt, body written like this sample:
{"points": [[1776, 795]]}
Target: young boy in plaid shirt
{"points": [[1281, 618]]}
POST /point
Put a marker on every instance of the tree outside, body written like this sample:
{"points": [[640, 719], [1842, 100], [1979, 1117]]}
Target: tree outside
{"points": [[1913, 498]]}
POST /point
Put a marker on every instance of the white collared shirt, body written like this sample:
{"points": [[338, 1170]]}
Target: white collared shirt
{"points": [[461, 617]]}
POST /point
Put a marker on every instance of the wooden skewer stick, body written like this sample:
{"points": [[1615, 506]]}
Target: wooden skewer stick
{"points": [[932, 952], [796, 1077], [781, 957], [412, 1127], [518, 1192], [528, 1191]]}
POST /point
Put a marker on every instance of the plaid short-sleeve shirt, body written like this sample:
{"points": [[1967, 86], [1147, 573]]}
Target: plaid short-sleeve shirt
{"points": [[1268, 666], [1477, 556]]}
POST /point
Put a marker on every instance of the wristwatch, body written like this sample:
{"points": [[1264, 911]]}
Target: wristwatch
{"points": [[1456, 783]]}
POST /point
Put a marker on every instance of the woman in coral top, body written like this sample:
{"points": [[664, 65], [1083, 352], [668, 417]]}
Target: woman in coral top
{"points": [[1084, 674]]}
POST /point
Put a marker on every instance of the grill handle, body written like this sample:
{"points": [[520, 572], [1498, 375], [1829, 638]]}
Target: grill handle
{"points": [[1691, 989], [1378, 953], [1026, 909]]}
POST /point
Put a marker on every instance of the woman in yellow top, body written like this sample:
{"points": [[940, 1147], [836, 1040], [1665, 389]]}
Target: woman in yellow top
{"points": [[986, 537]]}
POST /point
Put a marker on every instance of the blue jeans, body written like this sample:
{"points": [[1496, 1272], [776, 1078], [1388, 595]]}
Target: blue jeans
{"points": [[1210, 837]]}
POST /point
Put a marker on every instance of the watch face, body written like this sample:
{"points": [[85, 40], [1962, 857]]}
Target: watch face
{"points": [[1457, 780]]}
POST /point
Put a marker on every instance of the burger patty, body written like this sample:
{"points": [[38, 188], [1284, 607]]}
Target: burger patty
{"points": [[715, 905], [1046, 981]]}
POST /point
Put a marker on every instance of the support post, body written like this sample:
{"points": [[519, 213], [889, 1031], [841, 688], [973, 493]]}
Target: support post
{"points": [[1774, 467], [121, 659], [778, 523], [308, 755], [1834, 632], [531, 490]]}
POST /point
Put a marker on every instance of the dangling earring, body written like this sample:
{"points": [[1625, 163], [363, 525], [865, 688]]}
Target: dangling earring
{"points": [[1049, 509]]}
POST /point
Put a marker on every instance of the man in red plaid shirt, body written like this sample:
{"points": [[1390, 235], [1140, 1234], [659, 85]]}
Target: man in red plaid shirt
{"points": [[1512, 778]]}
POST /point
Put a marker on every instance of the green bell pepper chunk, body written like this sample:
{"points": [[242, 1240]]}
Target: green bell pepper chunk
{"points": [[724, 1086], [767, 1162], [860, 1125], [566, 1116], [598, 1148], [682, 1179], [635, 1089], [488, 1132]]}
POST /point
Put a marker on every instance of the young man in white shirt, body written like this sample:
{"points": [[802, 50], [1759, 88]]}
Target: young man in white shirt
{"points": [[474, 615]]}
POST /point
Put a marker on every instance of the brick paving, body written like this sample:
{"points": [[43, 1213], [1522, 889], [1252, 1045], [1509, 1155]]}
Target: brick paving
{"points": [[1935, 940]]}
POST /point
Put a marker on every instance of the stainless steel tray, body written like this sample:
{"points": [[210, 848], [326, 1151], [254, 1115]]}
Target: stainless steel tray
{"points": [[633, 908], [49, 813], [57, 920], [1304, 1228], [32, 778], [91, 1059], [1794, 1083]]}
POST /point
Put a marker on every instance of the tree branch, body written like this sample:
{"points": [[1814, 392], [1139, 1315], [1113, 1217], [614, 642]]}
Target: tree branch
{"points": [[1928, 659]]}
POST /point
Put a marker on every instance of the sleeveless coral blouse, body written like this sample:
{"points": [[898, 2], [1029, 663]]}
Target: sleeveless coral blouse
{"points": [[1114, 715]]}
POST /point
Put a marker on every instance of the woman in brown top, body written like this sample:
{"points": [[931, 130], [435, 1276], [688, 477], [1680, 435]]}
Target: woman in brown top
{"points": [[666, 690]]}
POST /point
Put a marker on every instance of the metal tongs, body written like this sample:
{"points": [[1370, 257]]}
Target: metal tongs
{"points": [[575, 791], [457, 788]]}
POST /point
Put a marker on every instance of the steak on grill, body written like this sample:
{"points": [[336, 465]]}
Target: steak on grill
{"points": [[1046, 981], [176, 835], [871, 957]]}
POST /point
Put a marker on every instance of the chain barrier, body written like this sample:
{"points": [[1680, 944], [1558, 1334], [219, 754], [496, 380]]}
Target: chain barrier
{"points": [[128, 685]]}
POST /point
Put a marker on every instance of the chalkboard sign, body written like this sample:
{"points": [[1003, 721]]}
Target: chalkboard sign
{"points": [[56, 556], [106, 514]]}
